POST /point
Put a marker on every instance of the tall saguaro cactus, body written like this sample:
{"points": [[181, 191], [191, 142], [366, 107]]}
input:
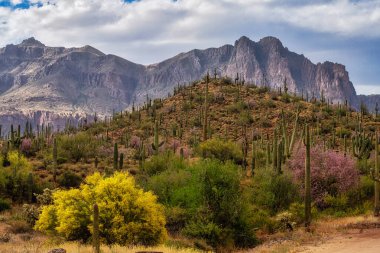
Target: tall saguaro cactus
{"points": [[377, 183], [292, 140], [274, 160], [55, 157], [156, 145], [307, 178], [115, 157], [95, 233], [205, 118]]}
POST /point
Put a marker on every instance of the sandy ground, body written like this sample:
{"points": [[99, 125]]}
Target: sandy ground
{"points": [[359, 234], [354, 241]]}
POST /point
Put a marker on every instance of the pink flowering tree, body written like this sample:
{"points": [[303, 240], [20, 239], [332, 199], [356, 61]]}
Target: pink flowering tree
{"points": [[331, 172], [26, 146]]}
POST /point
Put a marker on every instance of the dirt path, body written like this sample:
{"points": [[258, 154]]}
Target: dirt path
{"points": [[354, 241]]}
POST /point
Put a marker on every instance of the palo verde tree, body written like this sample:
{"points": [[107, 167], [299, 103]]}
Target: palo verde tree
{"points": [[127, 214]]}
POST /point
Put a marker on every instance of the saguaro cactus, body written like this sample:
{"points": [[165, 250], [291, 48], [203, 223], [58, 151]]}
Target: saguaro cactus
{"points": [[253, 159], [55, 157], [377, 183], [121, 161], [205, 118], [274, 160], [156, 145], [292, 140], [95, 233], [279, 156], [307, 178], [30, 187], [115, 157]]}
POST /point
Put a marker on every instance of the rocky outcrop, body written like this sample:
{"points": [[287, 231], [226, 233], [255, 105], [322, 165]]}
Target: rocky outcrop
{"points": [[370, 101], [61, 81]]}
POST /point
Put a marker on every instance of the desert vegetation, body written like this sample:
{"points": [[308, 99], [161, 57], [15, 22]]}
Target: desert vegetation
{"points": [[214, 166]]}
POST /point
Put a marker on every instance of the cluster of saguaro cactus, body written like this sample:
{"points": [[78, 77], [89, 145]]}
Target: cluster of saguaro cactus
{"points": [[361, 144]]}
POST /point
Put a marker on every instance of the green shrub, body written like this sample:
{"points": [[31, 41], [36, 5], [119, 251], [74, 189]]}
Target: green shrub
{"points": [[262, 90], [297, 211], [221, 150], [237, 107], [161, 162], [205, 201], [4, 205], [273, 192], [224, 219], [245, 118], [69, 179], [77, 147]]}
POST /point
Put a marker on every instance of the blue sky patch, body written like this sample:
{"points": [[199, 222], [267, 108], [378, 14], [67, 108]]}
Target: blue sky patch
{"points": [[25, 4]]}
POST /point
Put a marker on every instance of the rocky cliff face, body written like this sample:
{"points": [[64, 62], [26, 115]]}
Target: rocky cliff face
{"points": [[370, 101], [266, 62], [39, 80]]}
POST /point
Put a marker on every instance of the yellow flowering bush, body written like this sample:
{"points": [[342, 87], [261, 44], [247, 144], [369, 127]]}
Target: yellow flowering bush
{"points": [[127, 214]]}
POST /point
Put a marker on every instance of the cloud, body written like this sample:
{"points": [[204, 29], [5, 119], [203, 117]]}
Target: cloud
{"points": [[148, 31], [160, 22]]}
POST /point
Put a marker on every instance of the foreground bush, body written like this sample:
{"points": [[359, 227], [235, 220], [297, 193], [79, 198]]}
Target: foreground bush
{"points": [[224, 219], [205, 200], [331, 173], [128, 215]]}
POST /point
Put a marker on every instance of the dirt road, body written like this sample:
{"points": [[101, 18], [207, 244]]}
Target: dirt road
{"points": [[354, 241]]}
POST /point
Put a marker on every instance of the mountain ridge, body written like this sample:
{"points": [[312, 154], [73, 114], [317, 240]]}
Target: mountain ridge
{"points": [[81, 81]]}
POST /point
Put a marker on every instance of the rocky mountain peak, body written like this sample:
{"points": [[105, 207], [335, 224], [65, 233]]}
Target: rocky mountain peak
{"points": [[271, 42], [92, 50], [31, 42], [243, 40]]}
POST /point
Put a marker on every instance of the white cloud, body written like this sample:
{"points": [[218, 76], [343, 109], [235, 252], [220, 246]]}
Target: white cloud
{"points": [[14, 2], [151, 30], [370, 89]]}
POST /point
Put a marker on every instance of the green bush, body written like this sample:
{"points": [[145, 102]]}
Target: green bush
{"points": [[273, 192], [4, 205], [69, 179], [224, 219], [237, 107], [221, 150], [14, 179], [205, 201], [297, 211], [77, 147], [159, 163]]}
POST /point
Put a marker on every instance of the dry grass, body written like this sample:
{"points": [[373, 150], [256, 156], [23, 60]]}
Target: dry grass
{"points": [[42, 246]]}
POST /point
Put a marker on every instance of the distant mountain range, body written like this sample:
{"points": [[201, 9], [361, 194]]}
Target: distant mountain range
{"points": [[50, 84]]}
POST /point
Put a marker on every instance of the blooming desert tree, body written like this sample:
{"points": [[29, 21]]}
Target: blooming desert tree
{"points": [[332, 173], [127, 214]]}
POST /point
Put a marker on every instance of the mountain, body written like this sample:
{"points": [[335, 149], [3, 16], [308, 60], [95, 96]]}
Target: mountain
{"points": [[370, 101], [49, 84]]}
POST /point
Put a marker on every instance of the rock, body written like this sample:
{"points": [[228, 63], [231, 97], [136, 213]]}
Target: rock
{"points": [[60, 250]]}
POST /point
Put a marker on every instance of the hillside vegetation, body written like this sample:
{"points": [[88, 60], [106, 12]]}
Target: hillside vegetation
{"points": [[214, 166]]}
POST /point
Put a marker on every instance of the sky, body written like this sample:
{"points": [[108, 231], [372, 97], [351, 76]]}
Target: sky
{"points": [[149, 31]]}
